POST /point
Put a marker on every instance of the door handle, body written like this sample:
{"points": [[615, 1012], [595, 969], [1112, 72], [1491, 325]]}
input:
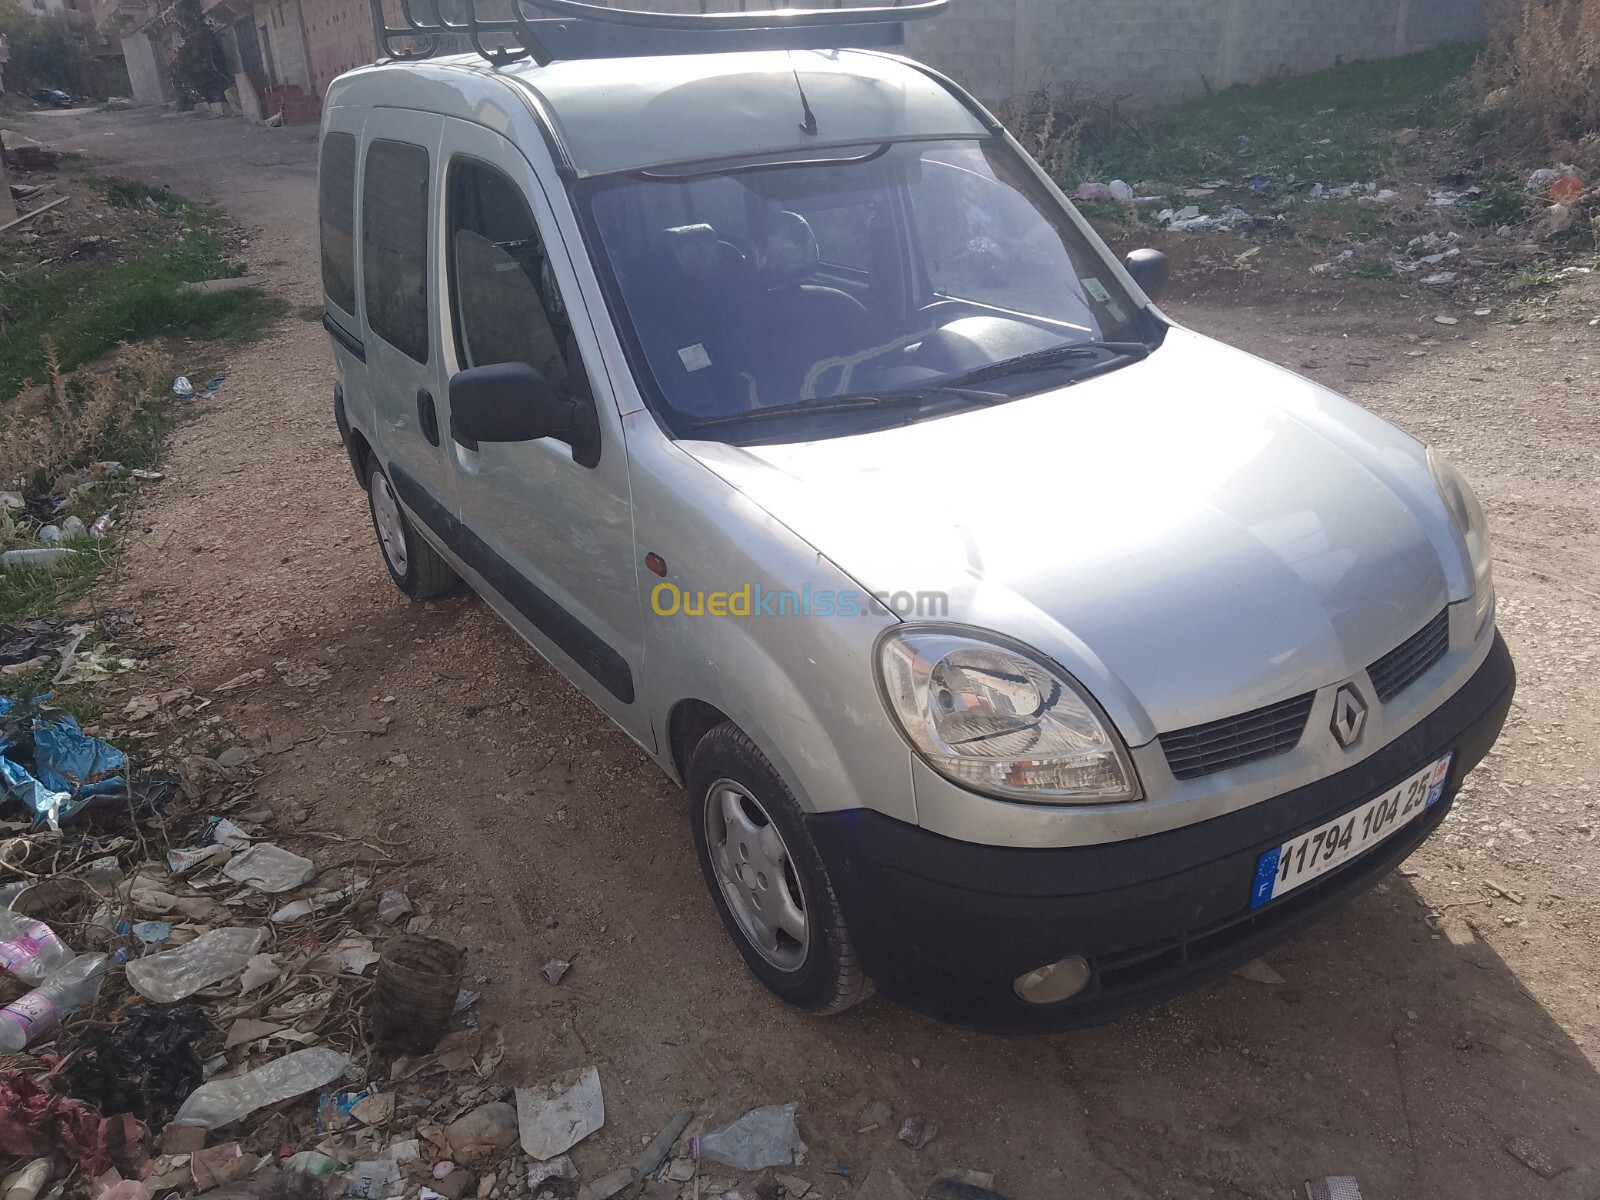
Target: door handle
{"points": [[428, 416]]}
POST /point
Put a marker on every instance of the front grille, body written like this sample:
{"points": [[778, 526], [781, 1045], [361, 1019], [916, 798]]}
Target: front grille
{"points": [[1406, 663], [1233, 741]]}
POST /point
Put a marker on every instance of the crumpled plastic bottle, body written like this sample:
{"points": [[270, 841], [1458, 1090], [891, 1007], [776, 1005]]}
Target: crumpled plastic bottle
{"points": [[30, 949], [27, 1019], [763, 1137], [215, 1104]]}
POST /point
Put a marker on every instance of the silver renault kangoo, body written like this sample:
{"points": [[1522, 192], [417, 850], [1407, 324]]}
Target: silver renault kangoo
{"points": [[1025, 656]]}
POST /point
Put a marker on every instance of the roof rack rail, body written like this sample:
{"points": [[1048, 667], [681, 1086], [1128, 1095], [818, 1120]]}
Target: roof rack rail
{"points": [[548, 30]]}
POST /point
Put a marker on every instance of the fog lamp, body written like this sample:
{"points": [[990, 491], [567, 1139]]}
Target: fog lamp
{"points": [[1054, 982]]}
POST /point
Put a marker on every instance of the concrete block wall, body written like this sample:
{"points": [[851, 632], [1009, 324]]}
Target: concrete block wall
{"points": [[1162, 51], [1151, 51]]}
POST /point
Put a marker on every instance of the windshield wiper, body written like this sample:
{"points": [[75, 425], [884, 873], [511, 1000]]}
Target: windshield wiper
{"points": [[822, 405], [1051, 356]]}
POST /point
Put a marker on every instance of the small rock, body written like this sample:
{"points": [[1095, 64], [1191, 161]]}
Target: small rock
{"points": [[486, 1186], [608, 1185], [555, 970], [454, 1185], [1257, 972], [1443, 320], [680, 1170], [442, 1168], [883, 1184], [233, 756], [795, 1186], [483, 1131]]}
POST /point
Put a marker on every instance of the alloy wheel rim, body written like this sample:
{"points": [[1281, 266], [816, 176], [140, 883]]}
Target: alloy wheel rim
{"points": [[756, 873], [391, 530]]}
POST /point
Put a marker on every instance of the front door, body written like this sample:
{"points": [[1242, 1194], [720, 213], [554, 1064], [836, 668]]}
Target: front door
{"points": [[399, 210], [551, 536]]}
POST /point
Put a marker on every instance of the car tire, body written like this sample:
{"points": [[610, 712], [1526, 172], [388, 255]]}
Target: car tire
{"points": [[414, 565], [767, 878]]}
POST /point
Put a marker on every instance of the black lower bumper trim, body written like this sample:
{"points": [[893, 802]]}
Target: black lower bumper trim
{"points": [[945, 926]]}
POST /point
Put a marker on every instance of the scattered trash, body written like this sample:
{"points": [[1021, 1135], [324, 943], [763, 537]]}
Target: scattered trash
{"points": [[415, 996], [393, 906], [763, 1137], [212, 957], [145, 1064], [1443, 279], [916, 1133], [553, 1118], [28, 1018], [35, 1123], [1333, 1187], [184, 390], [374, 1179], [30, 949], [45, 558], [270, 868], [219, 1102]]}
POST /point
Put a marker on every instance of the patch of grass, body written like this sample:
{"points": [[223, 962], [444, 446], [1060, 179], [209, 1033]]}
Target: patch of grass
{"points": [[1372, 268], [30, 591], [132, 193], [1504, 200], [1335, 126], [87, 308], [309, 312]]}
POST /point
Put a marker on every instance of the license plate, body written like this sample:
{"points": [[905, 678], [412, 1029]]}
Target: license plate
{"points": [[1304, 858]]}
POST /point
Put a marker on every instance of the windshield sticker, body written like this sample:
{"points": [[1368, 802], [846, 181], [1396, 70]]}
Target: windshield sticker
{"points": [[1118, 313], [694, 357], [1092, 286]]}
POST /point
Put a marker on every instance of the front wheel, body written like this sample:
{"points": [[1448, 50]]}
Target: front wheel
{"points": [[766, 877]]}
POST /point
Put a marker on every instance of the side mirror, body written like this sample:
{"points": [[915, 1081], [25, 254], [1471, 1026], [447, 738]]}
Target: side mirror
{"points": [[507, 402], [1150, 271]]}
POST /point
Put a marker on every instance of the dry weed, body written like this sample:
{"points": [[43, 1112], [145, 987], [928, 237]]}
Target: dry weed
{"points": [[1053, 120], [1539, 79], [75, 416]]}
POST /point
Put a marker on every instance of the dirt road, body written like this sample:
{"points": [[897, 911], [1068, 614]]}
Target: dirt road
{"points": [[1403, 1052]]}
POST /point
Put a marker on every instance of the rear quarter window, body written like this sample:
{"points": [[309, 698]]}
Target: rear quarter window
{"points": [[336, 206], [394, 245]]}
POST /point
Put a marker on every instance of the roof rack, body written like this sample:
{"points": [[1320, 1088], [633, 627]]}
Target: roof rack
{"points": [[548, 30]]}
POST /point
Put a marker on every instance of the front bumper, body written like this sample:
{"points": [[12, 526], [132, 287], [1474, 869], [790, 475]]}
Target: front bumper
{"points": [[946, 926]]}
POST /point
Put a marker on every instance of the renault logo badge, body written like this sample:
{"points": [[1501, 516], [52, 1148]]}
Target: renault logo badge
{"points": [[1349, 716]]}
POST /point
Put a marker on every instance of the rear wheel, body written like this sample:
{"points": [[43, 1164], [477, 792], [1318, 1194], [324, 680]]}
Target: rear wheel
{"points": [[416, 567], [766, 877]]}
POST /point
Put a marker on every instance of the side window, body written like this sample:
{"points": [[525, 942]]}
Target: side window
{"points": [[504, 301], [394, 245], [336, 205]]}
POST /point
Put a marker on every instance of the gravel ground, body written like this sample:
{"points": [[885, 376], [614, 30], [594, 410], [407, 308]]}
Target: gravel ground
{"points": [[1418, 1031]]}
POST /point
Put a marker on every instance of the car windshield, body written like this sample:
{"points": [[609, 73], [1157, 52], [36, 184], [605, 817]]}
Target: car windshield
{"points": [[813, 294]]}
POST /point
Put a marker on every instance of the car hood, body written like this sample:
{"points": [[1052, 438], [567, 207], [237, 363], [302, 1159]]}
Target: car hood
{"points": [[1193, 536]]}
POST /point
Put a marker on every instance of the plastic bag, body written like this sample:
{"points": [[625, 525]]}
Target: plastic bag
{"points": [[145, 1064], [763, 1137]]}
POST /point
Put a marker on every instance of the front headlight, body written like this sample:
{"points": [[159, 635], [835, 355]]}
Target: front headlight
{"points": [[1474, 528], [1001, 720]]}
